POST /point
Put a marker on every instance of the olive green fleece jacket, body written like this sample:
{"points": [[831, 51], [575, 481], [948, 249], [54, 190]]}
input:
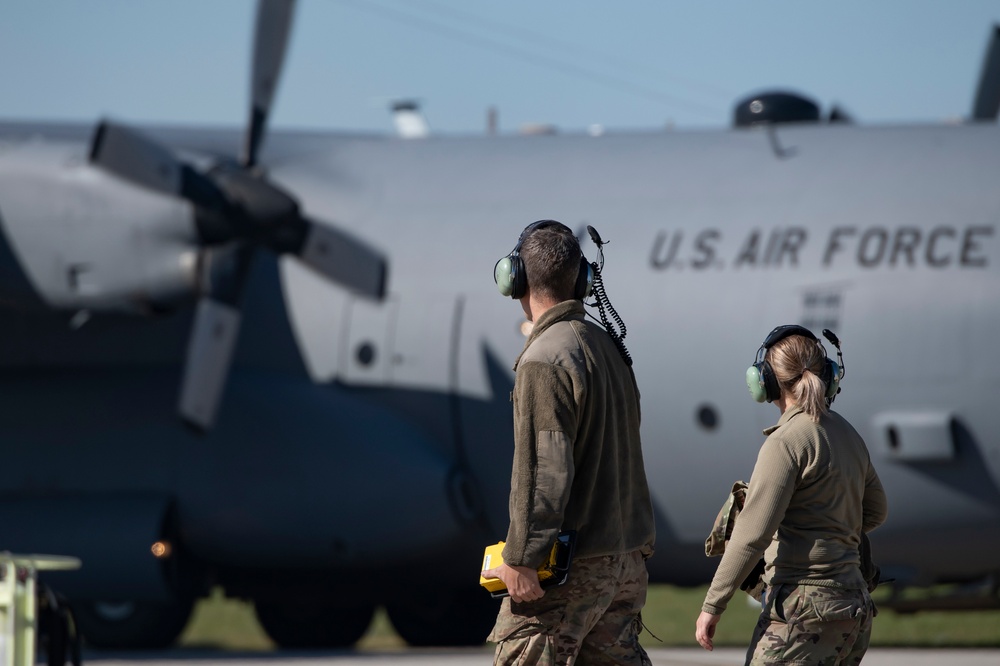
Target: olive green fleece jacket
{"points": [[812, 493], [577, 452]]}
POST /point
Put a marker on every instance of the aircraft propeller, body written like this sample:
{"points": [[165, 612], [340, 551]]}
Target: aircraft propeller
{"points": [[237, 209], [274, 24]]}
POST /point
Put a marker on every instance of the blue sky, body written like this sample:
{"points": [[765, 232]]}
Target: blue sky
{"points": [[572, 63]]}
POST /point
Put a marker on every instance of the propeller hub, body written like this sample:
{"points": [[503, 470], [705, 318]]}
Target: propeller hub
{"points": [[263, 212]]}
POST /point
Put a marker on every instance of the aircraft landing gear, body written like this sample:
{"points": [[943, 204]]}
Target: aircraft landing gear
{"points": [[131, 624], [456, 618], [303, 625]]}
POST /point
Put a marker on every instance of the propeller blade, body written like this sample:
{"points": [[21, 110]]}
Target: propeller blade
{"points": [[344, 259], [274, 23], [214, 334], [210, 352], [987, 102], [136, 158]]}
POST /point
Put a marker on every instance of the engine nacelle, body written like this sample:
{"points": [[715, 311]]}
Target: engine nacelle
{"points": [[85, 240], [123, 541]]}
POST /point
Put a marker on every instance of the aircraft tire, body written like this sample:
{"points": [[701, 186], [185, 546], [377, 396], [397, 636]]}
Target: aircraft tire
{"points": [[299, 625], [131, 624], [455, 619]]}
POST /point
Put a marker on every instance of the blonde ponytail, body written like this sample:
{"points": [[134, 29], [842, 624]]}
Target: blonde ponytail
{"points": [[798, 362]]}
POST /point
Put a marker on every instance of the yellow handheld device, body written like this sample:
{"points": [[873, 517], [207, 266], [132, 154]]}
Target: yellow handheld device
{"points": [[553, 571]]}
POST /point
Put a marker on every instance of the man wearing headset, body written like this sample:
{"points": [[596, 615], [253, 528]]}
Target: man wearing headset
{"points": [[577, 466]]}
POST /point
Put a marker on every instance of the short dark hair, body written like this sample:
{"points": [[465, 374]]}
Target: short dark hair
{"points": [[551, 256]]}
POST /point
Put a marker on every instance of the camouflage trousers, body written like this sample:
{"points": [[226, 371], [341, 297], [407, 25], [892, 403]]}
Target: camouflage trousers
{"points": [[814, 625], [593, 618]]}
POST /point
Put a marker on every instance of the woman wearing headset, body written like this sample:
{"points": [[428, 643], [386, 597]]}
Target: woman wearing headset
{"points": [[812, 494]]}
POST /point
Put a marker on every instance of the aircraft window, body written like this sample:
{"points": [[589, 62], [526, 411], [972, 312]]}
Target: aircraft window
{"points": [[708, 417], [365, 353]]}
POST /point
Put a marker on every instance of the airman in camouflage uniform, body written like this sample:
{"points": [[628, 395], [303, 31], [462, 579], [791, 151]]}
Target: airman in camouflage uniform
{"points": [[577, 466], [812, 624], [813, 496], [592, 615]]}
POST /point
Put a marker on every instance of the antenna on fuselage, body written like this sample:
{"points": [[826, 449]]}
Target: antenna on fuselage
{"points": [[410, 123]]}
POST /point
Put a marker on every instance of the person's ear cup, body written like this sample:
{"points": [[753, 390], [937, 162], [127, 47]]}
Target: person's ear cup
{"points": [[584, 280], [833, 383], [755, 384], [503, 277]]}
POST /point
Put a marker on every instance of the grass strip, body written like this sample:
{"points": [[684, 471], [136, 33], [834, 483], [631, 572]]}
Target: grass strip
{"points": [[670, 613]]}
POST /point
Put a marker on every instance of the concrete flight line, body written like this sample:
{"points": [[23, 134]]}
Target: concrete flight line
{"points": [[479, 657]]}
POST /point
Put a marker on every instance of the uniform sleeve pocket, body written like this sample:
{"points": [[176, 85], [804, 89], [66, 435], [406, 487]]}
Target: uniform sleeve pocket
{"points": [[554, 473]]}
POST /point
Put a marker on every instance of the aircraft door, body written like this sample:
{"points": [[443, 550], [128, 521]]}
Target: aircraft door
{"points": [[403, 343], [423, 345]]}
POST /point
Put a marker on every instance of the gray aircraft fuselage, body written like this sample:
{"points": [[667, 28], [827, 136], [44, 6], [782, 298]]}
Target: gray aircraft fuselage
{"points": [[357, 436]]}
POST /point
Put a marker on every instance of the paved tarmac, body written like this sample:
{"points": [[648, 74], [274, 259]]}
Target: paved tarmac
{"points": [[482, 656]]}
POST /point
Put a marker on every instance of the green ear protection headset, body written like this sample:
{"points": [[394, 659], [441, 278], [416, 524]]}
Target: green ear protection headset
{"points": [[510, 276], [762, 382]]}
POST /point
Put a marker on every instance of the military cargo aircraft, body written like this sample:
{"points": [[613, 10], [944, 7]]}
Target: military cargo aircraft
{"points": [[282, 369]]}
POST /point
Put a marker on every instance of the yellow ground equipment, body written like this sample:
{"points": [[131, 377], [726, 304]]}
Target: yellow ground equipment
{"points": [[553, 571]]}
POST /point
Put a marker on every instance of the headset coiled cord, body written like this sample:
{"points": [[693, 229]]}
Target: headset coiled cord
{"points": [[617, 332]]}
